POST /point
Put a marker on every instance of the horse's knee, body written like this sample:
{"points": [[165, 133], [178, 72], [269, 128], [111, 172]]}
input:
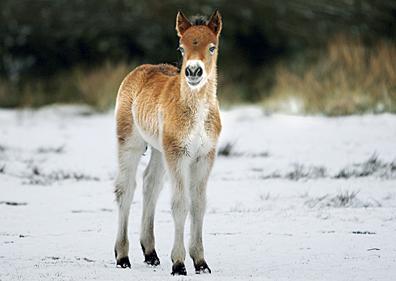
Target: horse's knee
{"points": [[179, 204]]}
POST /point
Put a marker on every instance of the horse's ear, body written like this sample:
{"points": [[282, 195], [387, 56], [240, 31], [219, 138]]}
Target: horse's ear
{"points": [[182, 23], [215, 22]]}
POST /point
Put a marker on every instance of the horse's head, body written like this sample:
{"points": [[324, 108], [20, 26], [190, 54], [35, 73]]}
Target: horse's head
{"points": [[198, 45]]}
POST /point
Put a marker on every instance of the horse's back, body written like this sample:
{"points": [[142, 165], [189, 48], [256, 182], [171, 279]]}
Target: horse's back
{"points": [[153, 70]]}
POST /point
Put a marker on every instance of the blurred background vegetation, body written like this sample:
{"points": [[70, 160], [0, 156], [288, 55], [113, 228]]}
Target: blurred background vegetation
{"points": [[304, 56]]}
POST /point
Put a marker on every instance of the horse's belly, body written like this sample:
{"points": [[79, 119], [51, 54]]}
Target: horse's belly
{"points": [[149, 131], [150, 139]]}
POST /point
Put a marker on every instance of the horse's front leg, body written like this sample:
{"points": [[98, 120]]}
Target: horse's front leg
{"points": [[152, 185], [178, 169], [200, 170]]}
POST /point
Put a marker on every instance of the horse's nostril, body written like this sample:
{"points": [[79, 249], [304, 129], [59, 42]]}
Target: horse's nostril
{"points": [[198, 72], [193, 72], [188, 72]]}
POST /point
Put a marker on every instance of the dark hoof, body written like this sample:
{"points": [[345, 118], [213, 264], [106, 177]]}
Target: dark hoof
{"points": [[123, 262], [179, 269], [152, 258], [202, 267]]}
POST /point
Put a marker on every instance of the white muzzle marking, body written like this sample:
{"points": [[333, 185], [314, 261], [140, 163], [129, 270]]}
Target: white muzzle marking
{"points": [[196, 84]]}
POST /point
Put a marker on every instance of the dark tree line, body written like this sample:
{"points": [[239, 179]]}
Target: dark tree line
{"points": [[42, 37]]}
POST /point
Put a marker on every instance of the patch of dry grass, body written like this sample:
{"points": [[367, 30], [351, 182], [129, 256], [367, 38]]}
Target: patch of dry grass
{"points": [[348, 77], [96, 87]]}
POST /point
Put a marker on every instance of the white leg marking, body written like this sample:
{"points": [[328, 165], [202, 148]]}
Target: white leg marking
{"points": [[129, 154], [199, 177], [179, 180], [152, 185]]}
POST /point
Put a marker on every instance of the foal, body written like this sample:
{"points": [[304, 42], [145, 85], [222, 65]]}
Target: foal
{"points": [[177, 114]]}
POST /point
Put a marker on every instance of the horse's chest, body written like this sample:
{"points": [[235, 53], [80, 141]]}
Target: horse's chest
{"points": [[198, 142]]}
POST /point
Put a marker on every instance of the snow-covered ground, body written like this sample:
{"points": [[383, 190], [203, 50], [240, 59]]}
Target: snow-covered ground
{"points": [[296, 198]]}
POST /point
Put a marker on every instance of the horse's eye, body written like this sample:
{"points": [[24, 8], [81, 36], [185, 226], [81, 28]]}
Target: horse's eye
{"points": [[181, 49], [212, 49]]}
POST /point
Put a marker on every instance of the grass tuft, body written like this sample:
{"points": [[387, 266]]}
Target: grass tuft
{"points": [[346, 199], [373, 166], [226, 150]]}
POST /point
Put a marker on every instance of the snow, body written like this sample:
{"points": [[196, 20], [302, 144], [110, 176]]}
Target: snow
{"points": [[298, 198]]}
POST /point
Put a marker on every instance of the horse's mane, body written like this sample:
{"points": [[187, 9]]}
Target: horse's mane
{"points": [[199, 20]]}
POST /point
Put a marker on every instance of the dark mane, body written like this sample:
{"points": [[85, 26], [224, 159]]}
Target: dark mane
{"points": [[199, 20]]}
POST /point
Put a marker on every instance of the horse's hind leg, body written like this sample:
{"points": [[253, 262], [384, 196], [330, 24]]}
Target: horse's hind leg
{"points": [[129, 153], [152, 185]]}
